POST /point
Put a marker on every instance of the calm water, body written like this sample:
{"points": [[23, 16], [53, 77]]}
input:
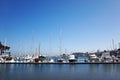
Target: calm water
{"points": [[59, 71]]}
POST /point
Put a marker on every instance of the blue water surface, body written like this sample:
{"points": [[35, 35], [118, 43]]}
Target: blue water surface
{"points": [[59, 71]]}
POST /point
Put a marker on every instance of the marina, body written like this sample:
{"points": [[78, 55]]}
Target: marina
{"points": [[109, 57], [59, 40]]}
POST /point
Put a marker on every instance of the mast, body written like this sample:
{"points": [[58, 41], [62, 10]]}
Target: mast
{"points": [[36, 51], [113, 44], [50, 44], [119, 44], [65, 50], [32, 44], [5, 42], [60, 42], [39, 49]]}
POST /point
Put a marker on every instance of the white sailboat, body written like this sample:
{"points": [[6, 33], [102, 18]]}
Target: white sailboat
{"points": [[60, 59]]}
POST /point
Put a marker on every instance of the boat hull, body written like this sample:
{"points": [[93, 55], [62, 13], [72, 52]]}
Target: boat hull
{"points": [[72, 60]]}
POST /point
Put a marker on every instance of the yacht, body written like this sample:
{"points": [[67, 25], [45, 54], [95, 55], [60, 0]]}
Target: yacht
{"points": [[60, 60], [93, 57], [106, 57], [51, 61], [72, 58], [40, 58]]}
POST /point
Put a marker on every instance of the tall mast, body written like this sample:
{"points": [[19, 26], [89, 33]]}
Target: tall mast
{"points": [[50, 44], [60, 42], [32, 45]]}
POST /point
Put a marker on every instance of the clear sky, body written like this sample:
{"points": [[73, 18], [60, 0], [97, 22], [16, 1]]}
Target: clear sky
{"points": [[86, 25]]}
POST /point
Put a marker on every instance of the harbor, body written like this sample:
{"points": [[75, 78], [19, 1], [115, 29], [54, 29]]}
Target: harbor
{"points": [[59, 40], [104, 57]]}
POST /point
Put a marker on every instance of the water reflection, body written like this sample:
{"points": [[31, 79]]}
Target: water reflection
{"points": [[111, 68], [94, 67], [72, 67], [59, 71]]}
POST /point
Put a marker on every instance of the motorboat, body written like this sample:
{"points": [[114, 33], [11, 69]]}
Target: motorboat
{"points": [[72, 58]]}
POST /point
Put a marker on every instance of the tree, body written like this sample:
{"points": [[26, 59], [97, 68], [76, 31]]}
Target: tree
{"points": [[3, 48]]}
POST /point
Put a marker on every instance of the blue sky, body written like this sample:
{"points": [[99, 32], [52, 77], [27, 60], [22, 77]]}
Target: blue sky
{"points": [[86, 25]]}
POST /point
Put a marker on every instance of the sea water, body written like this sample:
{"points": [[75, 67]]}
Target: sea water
{"points": [[59, 71]]}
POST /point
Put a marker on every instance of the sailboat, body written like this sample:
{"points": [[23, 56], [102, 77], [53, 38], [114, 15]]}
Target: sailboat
{"points": [[50, 59], [40, 58], [60, 59]]}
